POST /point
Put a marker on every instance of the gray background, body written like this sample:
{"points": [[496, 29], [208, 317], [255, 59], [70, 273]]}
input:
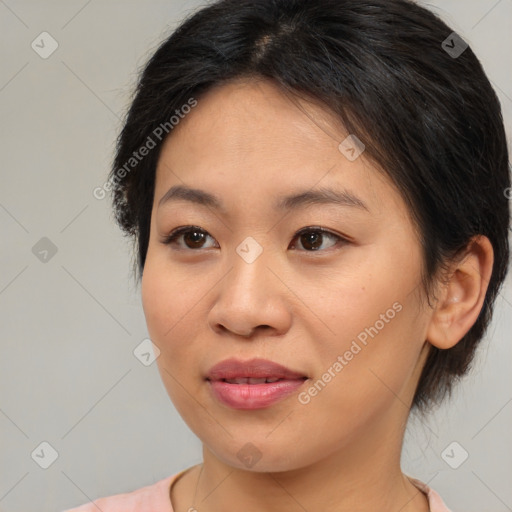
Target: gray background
{"points": [[68, 375]]}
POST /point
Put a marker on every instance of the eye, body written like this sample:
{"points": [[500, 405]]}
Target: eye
{"points": [[193, 237], [312, 238]]}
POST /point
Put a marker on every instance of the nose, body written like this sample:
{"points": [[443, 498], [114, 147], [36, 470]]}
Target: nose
{"points": [[251, 298]]}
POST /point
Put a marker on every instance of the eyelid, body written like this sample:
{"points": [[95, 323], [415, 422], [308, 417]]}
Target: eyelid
{"points": [[319, 229], [175, 233]]}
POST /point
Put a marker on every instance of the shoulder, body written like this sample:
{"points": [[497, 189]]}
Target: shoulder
{"points": [[146, 499], [434, 500]]}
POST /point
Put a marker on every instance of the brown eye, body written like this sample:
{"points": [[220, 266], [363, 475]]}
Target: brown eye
{"points": [[310, 239], [313, 239], [193, 237]]}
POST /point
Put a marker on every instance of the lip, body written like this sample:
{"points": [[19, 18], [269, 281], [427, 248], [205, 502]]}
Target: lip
{"points": [[252, 395]]}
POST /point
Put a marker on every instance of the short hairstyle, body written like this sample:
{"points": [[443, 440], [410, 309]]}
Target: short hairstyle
{"points": [[427, 116]]}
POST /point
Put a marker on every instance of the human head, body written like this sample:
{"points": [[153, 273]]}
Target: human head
{"points": [[431, 122]]}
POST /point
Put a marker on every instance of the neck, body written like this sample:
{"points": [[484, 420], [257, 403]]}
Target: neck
{"points": [[362, 475]]}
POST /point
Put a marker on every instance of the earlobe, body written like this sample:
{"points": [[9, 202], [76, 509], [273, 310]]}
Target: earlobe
{"points": [[461, 297]]}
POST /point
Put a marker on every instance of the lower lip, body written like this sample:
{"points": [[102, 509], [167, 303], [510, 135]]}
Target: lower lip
{"points": [[253, 396]]}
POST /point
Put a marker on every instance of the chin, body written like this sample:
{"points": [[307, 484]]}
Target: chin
{"points": [[263, 454]]}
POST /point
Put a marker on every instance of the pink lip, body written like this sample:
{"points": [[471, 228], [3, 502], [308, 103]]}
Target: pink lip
{"points": [[252, 396]]}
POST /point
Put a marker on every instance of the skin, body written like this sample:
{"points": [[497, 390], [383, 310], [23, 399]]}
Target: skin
{"points": [[248, 144]]}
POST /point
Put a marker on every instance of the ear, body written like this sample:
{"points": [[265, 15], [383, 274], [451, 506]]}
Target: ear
{"points": [[460, 298]]}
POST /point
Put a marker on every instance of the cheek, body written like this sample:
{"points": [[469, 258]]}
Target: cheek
{"points": [[156, 302], [378, 329], [163, 309], [373, 361], [171, 303], [167, 297]]}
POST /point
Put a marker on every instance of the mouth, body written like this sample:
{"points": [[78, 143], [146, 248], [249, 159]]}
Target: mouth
{"points": [[253, 384], [255, 380], [253, 370]]}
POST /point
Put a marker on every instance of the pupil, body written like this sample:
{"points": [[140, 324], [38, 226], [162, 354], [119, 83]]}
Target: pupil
{"points": [[312, 240], [194, 234]]}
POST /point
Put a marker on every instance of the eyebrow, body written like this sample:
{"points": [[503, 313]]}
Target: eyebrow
{"points": [[322, 195]]}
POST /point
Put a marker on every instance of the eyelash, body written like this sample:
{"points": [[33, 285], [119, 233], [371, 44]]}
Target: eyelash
{"points": [[171, 237]]}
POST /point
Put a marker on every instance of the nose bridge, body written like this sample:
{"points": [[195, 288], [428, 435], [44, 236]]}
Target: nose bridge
{"points": [[249, 296], [249, 273]]}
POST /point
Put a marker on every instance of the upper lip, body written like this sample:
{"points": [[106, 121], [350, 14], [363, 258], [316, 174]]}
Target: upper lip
{"points": [[256, 368]]}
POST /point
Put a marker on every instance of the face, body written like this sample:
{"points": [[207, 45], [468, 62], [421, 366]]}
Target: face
{"points": [[327, 286]]}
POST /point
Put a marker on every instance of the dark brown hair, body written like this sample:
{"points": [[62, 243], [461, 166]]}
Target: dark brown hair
{"points": [[395, 75]]}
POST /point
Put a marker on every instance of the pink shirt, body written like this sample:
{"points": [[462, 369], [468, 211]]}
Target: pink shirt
{"points": [[155, 497]]}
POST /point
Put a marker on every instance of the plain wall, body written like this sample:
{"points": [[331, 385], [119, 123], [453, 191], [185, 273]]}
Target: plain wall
{"points": [[68, 375]]}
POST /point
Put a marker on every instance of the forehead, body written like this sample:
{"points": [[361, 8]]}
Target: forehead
{"points": [[248, 136], [251, 112]]}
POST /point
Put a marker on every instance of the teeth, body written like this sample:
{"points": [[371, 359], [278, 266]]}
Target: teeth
{"points": [[251, 380], [240, 380]]}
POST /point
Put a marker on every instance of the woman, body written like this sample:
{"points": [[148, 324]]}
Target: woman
{"points": [[317, 194]]}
